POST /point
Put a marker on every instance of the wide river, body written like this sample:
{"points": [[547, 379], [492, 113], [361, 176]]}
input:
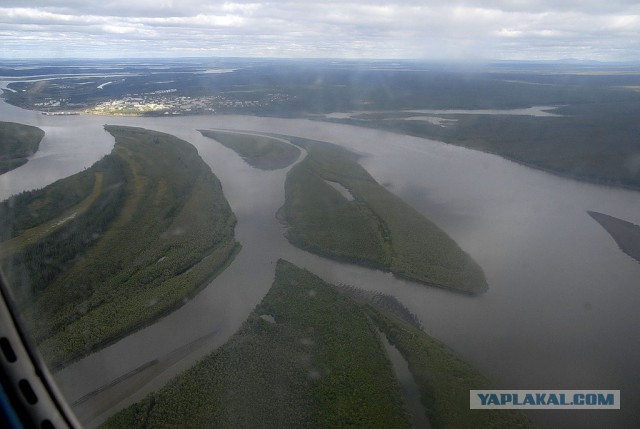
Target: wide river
{"points": [[561, 312]]}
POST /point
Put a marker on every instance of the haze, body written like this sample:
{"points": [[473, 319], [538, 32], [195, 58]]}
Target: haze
{"points": [[452, 30]]}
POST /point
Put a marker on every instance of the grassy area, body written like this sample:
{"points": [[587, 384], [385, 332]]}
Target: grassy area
{"points": [[625, 234], [266, 153], [309, 356], [376, 229], [159, 231], [17, 143]]}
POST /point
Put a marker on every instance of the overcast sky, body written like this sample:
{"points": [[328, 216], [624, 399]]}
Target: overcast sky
{"points": [[607, 30]]}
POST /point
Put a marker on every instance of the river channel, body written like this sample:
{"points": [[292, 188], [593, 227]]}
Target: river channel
{"points": [[561, 311]]}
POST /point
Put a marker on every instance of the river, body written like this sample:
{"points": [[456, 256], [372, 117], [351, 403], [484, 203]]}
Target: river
{"points": [[561, 311]]}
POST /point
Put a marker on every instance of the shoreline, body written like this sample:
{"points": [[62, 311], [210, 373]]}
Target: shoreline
{"points": [[349, 120]]}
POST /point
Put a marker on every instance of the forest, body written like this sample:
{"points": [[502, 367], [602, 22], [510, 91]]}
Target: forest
{"points": [[159, 230], [259, 151], [593, 136], [310, 356], [376, 229], [595, 141], [17, 143]]}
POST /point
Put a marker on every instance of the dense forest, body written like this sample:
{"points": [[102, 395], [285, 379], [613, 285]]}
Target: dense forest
{"points": [[154, 229], [595, 141], [375, 229], [259, 151], [310, 356], [17, 143]]}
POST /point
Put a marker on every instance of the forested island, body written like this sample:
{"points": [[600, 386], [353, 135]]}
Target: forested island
{"points": [[259, 151], [17, 143], [97, 255], [333, 207], [310, 356]]}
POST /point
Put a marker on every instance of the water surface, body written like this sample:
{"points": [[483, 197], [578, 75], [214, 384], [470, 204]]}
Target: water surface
{"points": [[560, 312]]}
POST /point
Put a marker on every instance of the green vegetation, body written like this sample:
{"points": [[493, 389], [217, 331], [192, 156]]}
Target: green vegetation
{"points": [[376, 229], [32, 208], [30, 212], [320, 364], [309, 356], [595, 142], [263, 152], [158, 231], [17, 143], [625, 234], [37, 256], [443, 378]]}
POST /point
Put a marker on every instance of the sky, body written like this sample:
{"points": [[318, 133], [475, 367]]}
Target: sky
{"points": [[602, 30]]}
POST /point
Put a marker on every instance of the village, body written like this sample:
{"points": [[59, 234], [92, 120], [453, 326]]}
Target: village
{"points": [[166, 102]]}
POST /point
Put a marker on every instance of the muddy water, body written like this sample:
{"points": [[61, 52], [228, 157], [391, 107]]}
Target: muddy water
{"points": [[560, 313]]}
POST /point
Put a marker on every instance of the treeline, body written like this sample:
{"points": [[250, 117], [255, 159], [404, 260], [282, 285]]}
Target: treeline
{"points": [[259, 151], [376, 229], [596, 140], [324, 222], [35, 267], [17, 142], [444, 380], [322, 87], [308, 356], [159, 230], [319, 365], [31, 208]]}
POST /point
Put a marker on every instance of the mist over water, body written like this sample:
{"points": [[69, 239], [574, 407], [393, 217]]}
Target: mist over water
{"points": [[560, 312]]}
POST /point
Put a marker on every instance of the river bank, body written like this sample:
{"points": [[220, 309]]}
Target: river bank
{"points": [[548, 263]]}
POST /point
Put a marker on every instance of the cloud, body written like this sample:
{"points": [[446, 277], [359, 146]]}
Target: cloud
{"points": [[455, 29]]}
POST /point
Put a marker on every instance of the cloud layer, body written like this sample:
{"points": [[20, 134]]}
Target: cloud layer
{"points": [[455, 29]]}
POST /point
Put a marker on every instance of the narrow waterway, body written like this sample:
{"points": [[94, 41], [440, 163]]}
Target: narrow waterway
{"points": [[560, 312], [408, 386]]}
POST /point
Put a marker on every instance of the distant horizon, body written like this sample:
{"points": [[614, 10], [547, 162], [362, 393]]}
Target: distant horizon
{"points": [[488, 61], [458, 30]]}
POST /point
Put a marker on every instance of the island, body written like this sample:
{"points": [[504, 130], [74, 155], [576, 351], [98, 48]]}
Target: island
{"points": [[334, 208], [311, 356], [17, 143], [259, 151], [97, 255]]}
